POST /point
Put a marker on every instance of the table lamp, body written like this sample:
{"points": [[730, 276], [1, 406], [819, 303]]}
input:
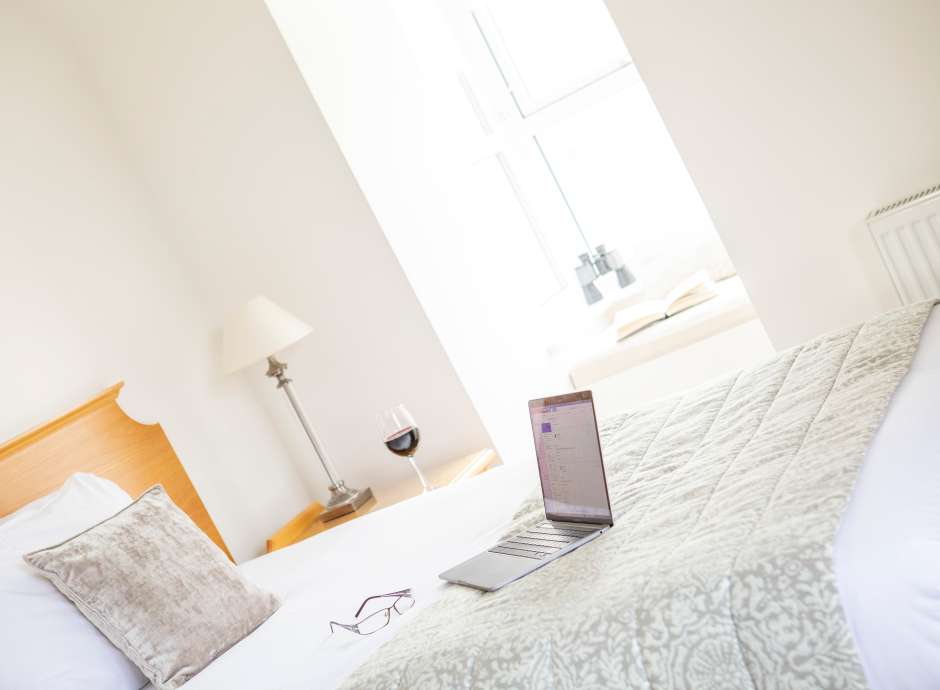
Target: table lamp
{"points": [[259, 330]]}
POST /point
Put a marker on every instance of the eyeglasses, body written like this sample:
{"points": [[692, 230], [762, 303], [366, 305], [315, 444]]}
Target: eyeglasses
{"points": [[374, 622]]}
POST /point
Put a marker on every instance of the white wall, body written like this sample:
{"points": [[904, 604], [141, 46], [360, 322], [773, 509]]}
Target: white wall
{"points": [[795, 119], [90, 295], [260, 200]]}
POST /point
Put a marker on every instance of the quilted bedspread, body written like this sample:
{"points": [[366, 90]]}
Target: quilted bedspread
{"points": [[718, 570]]}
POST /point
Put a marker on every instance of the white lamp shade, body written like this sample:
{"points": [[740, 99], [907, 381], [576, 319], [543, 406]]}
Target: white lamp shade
{"points": [[257, 330]]}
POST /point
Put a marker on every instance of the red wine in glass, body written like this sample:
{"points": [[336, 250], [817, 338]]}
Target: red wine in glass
{"points": [[404, 442], [401, 436]]}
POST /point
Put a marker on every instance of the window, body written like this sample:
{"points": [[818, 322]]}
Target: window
{"points": [[572, 141]]}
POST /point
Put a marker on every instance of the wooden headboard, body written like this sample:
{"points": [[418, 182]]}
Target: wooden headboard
{"points": [[97, 437]]}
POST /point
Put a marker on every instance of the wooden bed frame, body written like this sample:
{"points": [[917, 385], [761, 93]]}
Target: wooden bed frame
{"points": [[98, 437]]}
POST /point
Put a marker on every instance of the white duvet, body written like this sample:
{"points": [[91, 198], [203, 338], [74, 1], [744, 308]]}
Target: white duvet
{"points": [[327, 577], [887, 551], [887, 558]]}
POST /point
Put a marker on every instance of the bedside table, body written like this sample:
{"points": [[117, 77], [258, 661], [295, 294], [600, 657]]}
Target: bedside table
{"points": [[307, 524]]}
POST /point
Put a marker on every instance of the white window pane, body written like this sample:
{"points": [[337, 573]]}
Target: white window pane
{"points": [[549, 48], [500, 237], [629, 188], [546, 205]]}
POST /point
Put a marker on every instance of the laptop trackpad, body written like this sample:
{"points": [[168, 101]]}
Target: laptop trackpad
{"points": [[489, 571]]}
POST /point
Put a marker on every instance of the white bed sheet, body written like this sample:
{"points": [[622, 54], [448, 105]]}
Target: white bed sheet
{"points": [[887, 551], [327, 577], [887, 560]]}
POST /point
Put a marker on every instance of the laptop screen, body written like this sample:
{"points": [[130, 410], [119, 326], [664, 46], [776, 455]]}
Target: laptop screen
{"points": [[568, 449]]}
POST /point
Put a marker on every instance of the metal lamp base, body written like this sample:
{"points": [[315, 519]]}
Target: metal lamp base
{"points": [[344, 501]]}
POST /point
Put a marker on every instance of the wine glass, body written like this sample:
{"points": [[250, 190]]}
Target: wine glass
{"points": [[401, 436]]}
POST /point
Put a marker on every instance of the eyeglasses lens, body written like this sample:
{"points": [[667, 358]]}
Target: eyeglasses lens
{"points": [[403, 604], [376, 621]]}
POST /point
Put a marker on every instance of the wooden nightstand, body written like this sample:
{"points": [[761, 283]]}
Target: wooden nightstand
{"points": [[307, 524]]}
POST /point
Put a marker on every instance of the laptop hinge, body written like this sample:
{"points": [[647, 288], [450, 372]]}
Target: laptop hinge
{"points": [[586, 526]]}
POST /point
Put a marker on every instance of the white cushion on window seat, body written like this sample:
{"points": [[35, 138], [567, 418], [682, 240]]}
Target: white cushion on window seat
{"points": [[601, 358]]}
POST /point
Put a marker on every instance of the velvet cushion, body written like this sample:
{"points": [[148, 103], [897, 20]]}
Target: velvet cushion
{"points": [[157, 587]]}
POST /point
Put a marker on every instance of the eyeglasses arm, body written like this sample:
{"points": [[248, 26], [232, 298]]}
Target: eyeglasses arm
{"points": [[352, 628], [399, 593]]}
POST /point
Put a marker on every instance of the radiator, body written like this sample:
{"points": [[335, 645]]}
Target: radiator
{"points": [[907, 234]]}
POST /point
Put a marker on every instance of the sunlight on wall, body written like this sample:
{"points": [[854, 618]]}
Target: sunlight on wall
{"points": [[467, 185]]}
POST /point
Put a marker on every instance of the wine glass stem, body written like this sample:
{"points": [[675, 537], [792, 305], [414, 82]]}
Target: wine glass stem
{"points": [[424, 482]]}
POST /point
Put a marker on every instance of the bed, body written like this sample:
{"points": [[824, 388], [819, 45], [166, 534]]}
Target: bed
{"points": [[885, 552]]}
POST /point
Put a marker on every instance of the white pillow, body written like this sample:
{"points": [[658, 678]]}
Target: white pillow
{"points": [[46, 641]]}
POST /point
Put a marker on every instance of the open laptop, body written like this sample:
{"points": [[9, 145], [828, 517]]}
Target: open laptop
{"points": [[574, 491]]}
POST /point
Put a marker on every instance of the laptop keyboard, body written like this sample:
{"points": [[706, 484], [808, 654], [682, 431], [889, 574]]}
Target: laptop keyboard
{"points": [[542, 540]]}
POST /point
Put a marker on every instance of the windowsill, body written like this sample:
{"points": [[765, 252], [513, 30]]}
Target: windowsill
{"points": [[597, 357]]}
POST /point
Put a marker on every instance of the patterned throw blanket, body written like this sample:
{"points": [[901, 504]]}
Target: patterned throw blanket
{"points": [[718, 570]]}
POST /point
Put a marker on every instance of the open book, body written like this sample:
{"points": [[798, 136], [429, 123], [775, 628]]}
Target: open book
{"points": [[695, 289]]}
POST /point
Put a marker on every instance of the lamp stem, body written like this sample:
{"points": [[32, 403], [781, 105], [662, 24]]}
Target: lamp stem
{"points": [[311, 434], [342, 499]]}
